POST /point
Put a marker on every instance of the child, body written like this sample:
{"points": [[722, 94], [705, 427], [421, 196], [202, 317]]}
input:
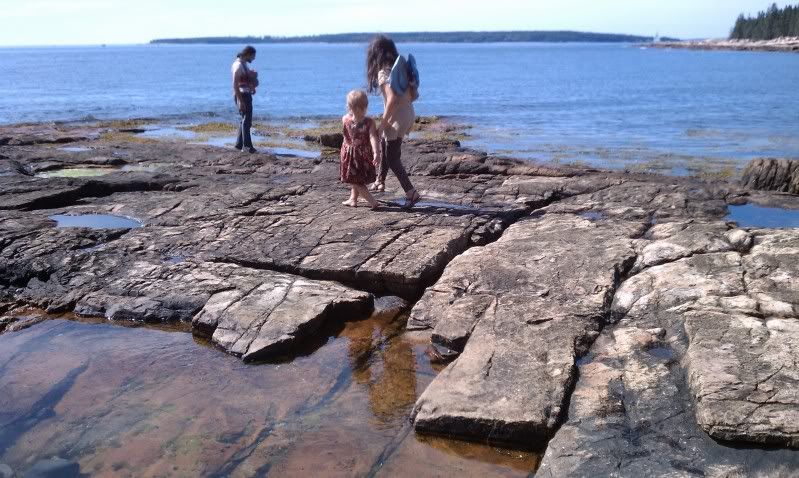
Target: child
{"points": [[398, 116], [361, 149]]}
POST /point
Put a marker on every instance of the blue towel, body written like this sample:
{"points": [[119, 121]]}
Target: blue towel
{"points": [[404, 74]]}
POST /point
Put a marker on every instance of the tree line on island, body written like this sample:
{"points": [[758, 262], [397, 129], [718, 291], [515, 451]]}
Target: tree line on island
{"points": [[773, 23], [427, 37]]}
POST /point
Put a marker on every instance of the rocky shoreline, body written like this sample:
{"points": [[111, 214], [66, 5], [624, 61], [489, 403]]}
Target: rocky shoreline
{"points": [[616, 321], [776, 45]]}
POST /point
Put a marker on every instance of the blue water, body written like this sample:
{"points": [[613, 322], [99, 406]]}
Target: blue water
{"points": [[597, 103], [750, 215], [96, 221]]}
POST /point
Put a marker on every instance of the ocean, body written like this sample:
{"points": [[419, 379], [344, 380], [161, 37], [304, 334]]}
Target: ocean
{"points": [[609, 105]]}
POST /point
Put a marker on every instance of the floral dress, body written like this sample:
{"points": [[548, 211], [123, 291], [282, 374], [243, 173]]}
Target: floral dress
{"points": [[356, 152]]}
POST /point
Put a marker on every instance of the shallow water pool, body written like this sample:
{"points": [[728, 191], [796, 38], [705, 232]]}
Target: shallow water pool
{"points": [[96, 221], [750, 215], [294, 152], [138, 401], [76, 173]]}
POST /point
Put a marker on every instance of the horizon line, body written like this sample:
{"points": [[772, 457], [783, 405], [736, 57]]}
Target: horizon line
{"points": [[149, 42], [408, 32]]}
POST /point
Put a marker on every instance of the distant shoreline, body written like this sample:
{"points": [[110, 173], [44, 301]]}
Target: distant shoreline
{"points": [[427, 37], [777, 45]]}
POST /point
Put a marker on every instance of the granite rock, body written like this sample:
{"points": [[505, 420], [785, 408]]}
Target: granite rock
{"points": [[772, 175], [537, 297]]}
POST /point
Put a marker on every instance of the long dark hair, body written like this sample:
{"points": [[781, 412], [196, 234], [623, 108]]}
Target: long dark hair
{"points": [[247, 51], [382, 53]]}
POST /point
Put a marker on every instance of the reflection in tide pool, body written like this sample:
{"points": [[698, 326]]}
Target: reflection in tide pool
{"points": [[128, 401]]}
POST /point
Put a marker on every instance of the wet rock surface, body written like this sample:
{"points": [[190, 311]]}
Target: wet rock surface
{"points": [[617, 315]]}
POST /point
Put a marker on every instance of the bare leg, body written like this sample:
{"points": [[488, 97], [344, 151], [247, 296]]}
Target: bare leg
{"points": [[382, 170], [364, 192], [353, 200]]}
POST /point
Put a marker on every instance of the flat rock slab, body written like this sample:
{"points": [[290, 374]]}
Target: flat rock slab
{"points": [[618, 400], [265, 212], [671, 241], [254, 251], [686, 362], [529, 305], [249, 313], [772, 270], [271, 318], [38, 134], [631, 415], [654, 199], [394, 251], [739, 313], [23, 192], [744, 361], [744, 376]]}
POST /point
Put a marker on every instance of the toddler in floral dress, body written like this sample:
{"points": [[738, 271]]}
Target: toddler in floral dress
{"points": [[360, 150]]}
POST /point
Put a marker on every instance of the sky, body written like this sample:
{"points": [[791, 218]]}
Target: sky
{"points": [[82, 22]]}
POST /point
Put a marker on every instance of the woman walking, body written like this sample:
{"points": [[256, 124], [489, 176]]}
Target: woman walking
{"points": [[245, 81], [398, 113]]}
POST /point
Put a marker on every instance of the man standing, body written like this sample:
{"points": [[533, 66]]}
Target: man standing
{"points": [[244, 83]]}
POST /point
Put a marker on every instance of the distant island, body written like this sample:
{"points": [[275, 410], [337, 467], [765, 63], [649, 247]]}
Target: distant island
{"points": [[427, 37], [775, 29]]}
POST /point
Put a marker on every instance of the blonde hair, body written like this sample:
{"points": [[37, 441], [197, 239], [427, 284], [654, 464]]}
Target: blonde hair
{"points": [[357, 99]]}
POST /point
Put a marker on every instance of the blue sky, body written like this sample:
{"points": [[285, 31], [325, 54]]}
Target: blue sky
{"points": [[71, 22]]}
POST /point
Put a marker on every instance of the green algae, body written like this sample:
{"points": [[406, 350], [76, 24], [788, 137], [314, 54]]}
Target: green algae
{"points": [[211, 127]]}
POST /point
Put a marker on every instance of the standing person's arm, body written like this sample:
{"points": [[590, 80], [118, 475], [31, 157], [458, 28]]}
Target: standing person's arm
{"points": [[391, 106], [236, 86], [374, 138], [344, 131]]}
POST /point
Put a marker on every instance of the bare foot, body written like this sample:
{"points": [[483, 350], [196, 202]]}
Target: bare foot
{"points": [[412, 197], [350, 203]]}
